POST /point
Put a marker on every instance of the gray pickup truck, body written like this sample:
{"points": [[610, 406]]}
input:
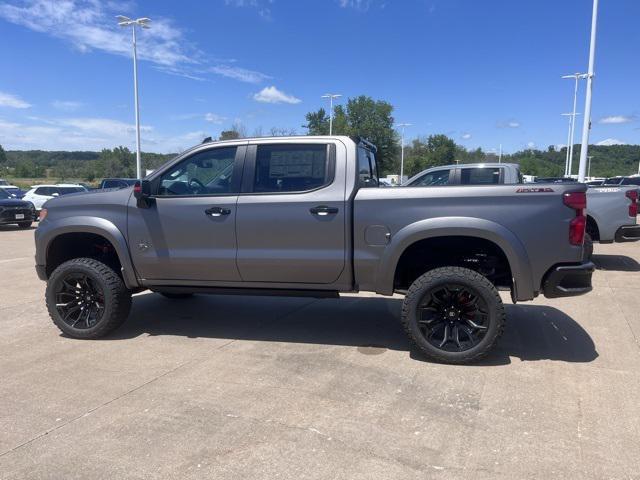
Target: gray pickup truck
{"points": [[302, 216], [611, 209]]}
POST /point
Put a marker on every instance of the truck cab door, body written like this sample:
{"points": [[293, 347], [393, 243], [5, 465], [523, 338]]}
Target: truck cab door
{"points": [[187, 232], [291, 216]]}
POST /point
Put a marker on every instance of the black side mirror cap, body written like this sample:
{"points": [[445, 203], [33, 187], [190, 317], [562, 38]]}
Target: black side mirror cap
{"points": [[142, 192]]}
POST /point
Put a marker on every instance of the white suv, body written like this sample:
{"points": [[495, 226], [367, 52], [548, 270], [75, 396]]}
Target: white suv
{"points": [[41, 193]]}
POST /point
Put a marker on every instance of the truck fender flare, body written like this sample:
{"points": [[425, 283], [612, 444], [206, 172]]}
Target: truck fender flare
{"points": [[98, 226], [463, 227]]}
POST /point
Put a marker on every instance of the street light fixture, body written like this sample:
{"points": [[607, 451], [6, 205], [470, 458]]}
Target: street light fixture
{"points": [[572, 124], [331, 96], [586, 126], [402, 126], [143, 23]]}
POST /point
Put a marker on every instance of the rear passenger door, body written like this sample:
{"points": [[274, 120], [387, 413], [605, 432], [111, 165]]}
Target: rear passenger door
{"points": [[291, 213]]}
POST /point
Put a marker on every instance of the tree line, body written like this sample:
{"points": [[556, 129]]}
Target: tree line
{"points": [[360, 116]]}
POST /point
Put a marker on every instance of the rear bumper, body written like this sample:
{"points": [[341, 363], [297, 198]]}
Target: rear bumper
{"points": [[628, 233], [568, 280]]}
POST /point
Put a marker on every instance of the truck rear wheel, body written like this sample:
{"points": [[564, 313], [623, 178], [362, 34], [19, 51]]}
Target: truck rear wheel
{"points": [[87, 299], [453, 315]]}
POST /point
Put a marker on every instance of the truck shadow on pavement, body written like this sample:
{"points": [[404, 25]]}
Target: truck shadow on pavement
{"points": [[619, 263], [369, 324]]}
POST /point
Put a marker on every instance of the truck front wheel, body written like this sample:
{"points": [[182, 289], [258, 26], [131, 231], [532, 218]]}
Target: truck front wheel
{"points": [[453, 315], [86, 298]]}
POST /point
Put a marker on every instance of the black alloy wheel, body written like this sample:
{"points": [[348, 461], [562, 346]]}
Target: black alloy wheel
{"points": [[453, 318], [79, 301]]}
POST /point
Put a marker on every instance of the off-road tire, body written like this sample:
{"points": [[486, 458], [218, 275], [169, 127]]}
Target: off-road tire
{"points": [[117, 298], [176, 296], [24, 225], [587, 250], [454, 276]]}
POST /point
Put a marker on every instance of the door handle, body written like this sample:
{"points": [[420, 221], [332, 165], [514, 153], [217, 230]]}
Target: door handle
{"points": [[323, 210], [217, 211]]}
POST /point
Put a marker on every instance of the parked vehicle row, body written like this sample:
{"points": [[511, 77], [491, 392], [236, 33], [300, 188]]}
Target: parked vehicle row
{"points": [[304, 216], [39, 194], [15, 211]]}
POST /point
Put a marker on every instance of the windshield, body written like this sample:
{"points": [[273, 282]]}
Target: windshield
{"points": [[613, 181], [4, 195]]}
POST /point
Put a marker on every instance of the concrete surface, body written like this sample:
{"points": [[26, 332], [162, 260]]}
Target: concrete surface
{"points": [[266, 388]]}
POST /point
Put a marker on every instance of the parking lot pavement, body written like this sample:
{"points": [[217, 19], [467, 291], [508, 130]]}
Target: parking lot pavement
{"points": [[264, 388]]}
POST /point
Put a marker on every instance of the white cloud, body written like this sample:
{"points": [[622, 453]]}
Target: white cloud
{"points": [[356, 4], [66, 105], [237, 73], [91, 25], [82, 133], [8, 100], [509, 124], [214, 118], [531, 145], [262, 6], [617, 119], [611, 141], [466, 136], [273, 95]]}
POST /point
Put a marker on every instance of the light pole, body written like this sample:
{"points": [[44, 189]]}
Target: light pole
{"points": [[402, 126], [143, 23], [572, 126], [500, 155], [331, 96], [586, 126], [568, 164], [589, 169]]}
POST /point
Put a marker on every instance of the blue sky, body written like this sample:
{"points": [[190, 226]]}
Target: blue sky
{"points": [[483, 72]]}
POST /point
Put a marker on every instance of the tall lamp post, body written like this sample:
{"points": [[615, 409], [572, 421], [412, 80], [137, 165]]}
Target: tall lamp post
{"points": [[586, 126], [331, 96], [589, 169], [572, 125], [143, 23], [402, 126], [568, 164]]}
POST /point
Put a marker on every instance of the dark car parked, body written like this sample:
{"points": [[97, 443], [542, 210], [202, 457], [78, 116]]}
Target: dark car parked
{"points": [[14, 211], [117, 183]]}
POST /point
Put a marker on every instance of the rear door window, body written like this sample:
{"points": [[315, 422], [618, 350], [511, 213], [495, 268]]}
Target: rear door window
{"points": [[433, 179], [291, 168], [480, 176]]}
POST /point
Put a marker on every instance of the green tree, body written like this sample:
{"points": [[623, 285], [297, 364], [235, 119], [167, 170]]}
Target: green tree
{"points": [[431, 152], [3, 156], [229, 135], [317, 122], [119, 162], [363, 117]]}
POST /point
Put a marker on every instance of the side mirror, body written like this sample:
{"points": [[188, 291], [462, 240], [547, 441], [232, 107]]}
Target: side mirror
{"points": [[55, 194], [142, 192]]}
